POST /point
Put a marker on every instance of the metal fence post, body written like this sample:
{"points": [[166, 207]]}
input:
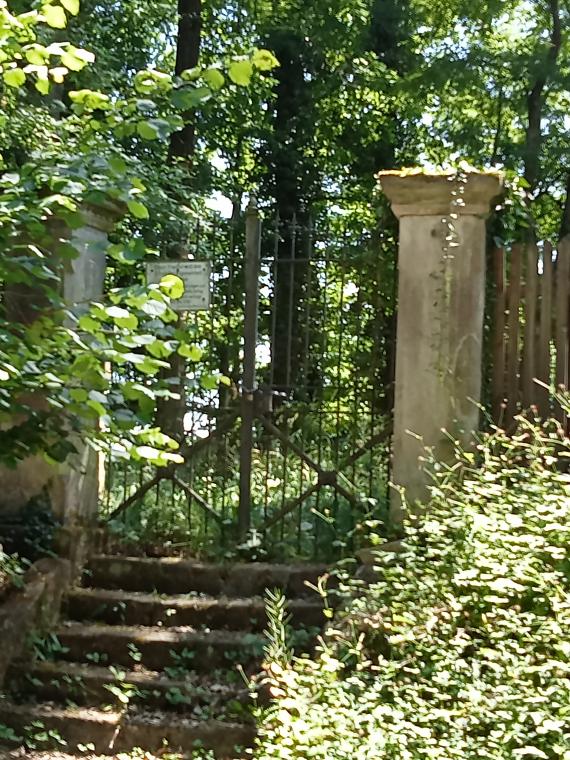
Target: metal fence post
{"points": [[252, 258]]}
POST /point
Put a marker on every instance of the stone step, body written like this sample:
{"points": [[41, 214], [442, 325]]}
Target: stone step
{"points": [[111, 732], [156, 648], [63, 682], [170, 575], [139, 608]]}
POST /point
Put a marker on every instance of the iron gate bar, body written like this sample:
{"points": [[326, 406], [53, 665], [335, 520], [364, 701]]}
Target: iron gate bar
{"points": [[365, 448], [326, 477], [138, 494], [290, 507], [197, 498], [271, 428], [251, 316], [187, 451]]}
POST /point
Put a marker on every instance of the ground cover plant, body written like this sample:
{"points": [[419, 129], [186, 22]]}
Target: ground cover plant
{"points": [[459, 649]]}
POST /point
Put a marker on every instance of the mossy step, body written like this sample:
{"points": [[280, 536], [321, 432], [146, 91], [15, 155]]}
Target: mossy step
{"points": [[140, 608], [196, 696], [111, 732], [170, 575], [156, 648]]}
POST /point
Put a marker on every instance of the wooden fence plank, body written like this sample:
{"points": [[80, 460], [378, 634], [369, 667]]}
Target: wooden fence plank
{"points": [[562, 292], [545, 331], [498, 341], [528, 372], [514, 300]]}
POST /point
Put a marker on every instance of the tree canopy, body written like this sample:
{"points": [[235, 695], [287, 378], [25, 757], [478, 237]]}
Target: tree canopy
{"points": [[161, 106]]}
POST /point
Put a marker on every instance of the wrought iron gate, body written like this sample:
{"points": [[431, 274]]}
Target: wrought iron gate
{"points": [[291, 454]]}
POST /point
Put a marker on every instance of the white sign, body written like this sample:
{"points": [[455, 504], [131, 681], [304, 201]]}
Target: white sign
{"points": [[196, 278]]}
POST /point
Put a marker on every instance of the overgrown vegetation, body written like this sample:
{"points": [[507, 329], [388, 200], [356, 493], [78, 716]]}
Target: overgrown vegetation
{"points": [[11, 572], [459, 648]]}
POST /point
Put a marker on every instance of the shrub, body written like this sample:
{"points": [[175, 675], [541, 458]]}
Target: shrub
{"points": [[460, 648]]}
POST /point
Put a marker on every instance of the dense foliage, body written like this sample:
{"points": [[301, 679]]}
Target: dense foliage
{"points": [[459, 648], [359, 86], [60, 159]]}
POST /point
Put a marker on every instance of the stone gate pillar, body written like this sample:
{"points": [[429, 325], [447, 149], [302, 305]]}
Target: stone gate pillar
{"points": [[440, 317], [72, 488]]}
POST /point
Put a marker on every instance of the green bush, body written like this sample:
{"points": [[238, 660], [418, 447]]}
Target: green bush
{"points": [[460, 648]]}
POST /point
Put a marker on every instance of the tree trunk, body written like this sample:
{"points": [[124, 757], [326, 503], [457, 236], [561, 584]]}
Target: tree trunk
{"points": [[171, 412], [182, 143], [536, 98], [288, 169]]}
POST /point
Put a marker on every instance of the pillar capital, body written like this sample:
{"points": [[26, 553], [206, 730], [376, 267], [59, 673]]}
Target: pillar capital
{"points": [[415, 192], [102, 216]]}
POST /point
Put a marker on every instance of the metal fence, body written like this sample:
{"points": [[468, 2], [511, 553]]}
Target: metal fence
{"points": [[291, 455]]}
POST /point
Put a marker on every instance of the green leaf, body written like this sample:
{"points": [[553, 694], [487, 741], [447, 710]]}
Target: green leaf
{"points": [[58, 73], [118, 164], [148, 452], [14, 77], [240, 72], [187, 98], [88, 324], [214, 78], [150, 366], [172, 285], [43, 86], [54, 16], [90, 99], [194, 353], [148, 81], [154, 308], [36, 54], [138, 209], [98, 397], [264, 60], [71, 5], [122, 317], [147, 131], [71, 61], [191, 75], [79, 395], [209, 382], [160, 349]]}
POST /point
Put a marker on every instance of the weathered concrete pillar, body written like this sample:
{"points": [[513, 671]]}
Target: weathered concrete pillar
{"points": [[440, 317], [73, 487], [77, 482]]}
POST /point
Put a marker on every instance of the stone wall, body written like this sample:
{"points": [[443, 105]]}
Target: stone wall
{"points": [[34, 608]]}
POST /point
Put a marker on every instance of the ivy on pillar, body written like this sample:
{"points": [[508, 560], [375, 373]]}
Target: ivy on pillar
{"points": [[72, 488]]}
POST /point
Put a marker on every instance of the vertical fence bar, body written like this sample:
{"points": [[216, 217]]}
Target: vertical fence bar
{"points": [[498, 379], [514, 299], [530, 294], [252, 259], [562, 292], [545, 331]]}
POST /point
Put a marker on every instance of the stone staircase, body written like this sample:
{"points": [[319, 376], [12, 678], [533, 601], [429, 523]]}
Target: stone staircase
{"points": [[154, 653]]}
